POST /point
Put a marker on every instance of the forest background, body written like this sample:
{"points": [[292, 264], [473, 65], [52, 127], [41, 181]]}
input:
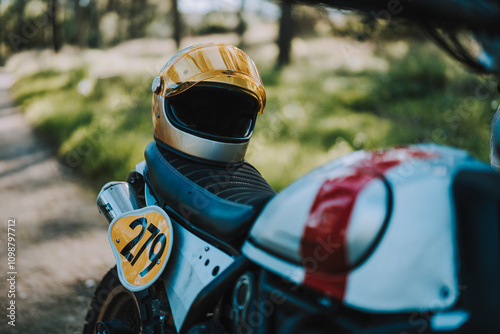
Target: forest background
{"points": [[336, 81]]}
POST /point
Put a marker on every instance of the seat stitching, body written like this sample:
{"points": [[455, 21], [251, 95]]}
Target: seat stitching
{"points": [[203, 170], [222, 200], [233, 178], [229, 185], [241, 196], [238, 188]]}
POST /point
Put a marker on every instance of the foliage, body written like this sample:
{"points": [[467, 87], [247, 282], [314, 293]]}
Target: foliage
{"points": [[314, 112], [27, 24], [421, 97], [98, 128], [217, 22]]}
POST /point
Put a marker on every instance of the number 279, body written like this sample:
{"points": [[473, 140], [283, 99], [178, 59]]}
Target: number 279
{"points": [[155, 237]]}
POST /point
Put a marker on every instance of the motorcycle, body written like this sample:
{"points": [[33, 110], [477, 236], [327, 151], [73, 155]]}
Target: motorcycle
{"points": [[400, 240]]}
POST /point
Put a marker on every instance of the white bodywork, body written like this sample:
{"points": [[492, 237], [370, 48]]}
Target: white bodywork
{"points": [[280, 225], [415, 260], [191, 267], [414, 265]]}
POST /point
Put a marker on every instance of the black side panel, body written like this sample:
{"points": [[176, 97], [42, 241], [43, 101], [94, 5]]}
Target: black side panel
{"points": [[207, 299], [477, 199]]}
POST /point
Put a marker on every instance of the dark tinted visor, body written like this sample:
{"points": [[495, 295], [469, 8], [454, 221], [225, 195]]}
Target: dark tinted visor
{"points": [[210, 111]]}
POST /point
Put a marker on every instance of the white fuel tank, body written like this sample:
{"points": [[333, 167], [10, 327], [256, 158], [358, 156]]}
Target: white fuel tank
{"points": [[375, 230]]}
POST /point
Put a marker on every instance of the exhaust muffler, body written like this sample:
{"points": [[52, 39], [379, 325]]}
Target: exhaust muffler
{"points": [[116, 198]]}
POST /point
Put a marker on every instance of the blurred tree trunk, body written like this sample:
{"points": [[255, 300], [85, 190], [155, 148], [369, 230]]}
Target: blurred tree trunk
{"points": [[20, 16], [111, 6], [78, 24], [285, 34], [176, 17], [137, 18], [16, 38], [132, 13], [242, 25], [2, 29], [94, 33], [56, 34]]}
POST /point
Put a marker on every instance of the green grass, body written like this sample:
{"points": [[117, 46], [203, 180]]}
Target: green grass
{"points": [[313, 114], [421, 97], [101, 135]]}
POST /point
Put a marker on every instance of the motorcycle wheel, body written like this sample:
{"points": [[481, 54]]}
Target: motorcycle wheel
{"points": [[116, 307]]}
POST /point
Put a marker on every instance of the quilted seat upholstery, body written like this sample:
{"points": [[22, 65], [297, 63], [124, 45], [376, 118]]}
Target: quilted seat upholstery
{"points": [[221, 199]]}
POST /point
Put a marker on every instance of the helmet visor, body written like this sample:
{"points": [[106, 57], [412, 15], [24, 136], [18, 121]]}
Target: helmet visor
{"points": [[214, 112], [212, 63]]}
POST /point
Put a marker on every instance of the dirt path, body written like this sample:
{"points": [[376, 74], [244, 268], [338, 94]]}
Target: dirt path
{"points": [[61, 241]]}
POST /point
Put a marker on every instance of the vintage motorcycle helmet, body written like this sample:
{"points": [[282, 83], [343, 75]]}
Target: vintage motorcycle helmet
{"points": [[205, 103]]}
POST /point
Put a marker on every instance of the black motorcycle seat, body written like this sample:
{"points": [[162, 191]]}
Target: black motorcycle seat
{"points": [[221, 200]]}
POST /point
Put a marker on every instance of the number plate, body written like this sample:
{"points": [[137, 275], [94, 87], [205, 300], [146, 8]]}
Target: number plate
{"points": [[141, 241]]}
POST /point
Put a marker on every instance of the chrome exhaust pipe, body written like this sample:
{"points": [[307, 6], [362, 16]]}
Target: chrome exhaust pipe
{"points": [[116, 198]]}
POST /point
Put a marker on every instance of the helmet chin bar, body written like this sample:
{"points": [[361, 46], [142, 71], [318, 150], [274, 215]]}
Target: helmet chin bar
{"points": [[193, 145]]}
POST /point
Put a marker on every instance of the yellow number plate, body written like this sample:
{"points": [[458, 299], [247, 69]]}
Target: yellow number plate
{"points": [[141, 241]]}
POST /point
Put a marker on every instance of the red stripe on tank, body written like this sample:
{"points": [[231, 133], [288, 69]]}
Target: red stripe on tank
{"points": [[324, 242]]}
